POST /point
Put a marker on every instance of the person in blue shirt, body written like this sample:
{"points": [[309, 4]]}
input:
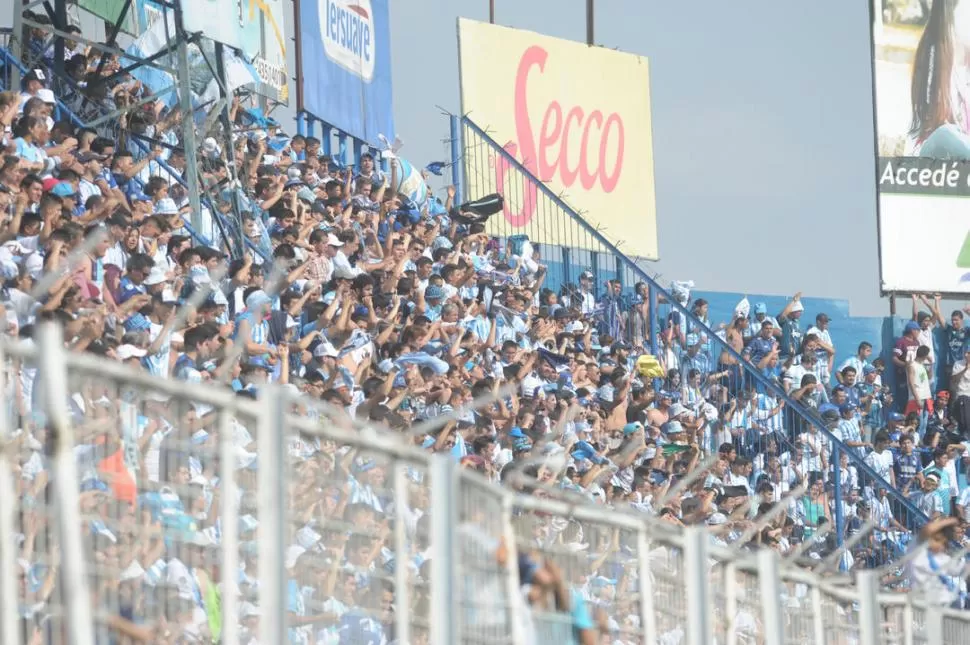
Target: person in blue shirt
{"points": [[791, 332], [133, 283], [957, 335], [761, 345]]}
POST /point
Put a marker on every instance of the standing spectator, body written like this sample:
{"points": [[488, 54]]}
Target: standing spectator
{"points": [[960, 383], [825, 348], [918, 381], [860, 361], [956, 346], [927, 324], [904, 352], [791, 332]]}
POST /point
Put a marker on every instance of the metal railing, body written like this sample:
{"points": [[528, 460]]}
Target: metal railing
{"points": [[157, 510], [745, 405]]}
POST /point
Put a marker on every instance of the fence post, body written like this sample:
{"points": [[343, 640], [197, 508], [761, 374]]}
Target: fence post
{"points": [[867, 585], [402, 596], [9, 596], [648, 619], [908, 622], [53, 367], [699, 629], [934, 624], [300, 123], [839, 514], [818, 625], [770, 588], [272, 515], [310, 126], [456, 161], [444, 500], [230, 531]]}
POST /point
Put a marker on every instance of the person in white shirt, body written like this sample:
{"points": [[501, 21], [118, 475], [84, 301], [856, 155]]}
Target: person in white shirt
{"points": [[933, 573]]}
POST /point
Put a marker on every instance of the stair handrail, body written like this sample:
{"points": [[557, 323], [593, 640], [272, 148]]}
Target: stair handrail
{"points": [[780, 394]]}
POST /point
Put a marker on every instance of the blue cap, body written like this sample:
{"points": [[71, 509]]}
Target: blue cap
{"points": [[760, 308], [521, 445], [138, 322], [434, 292], [912, 325], [827, 407], [672, 427], [63, 189], [896, 416], [848, 407], [259, 363], [868, 369], [516, 433], [632, 427]]}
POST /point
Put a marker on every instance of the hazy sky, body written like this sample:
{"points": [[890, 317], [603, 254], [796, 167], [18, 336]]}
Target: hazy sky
{"points": [[762, 123]]}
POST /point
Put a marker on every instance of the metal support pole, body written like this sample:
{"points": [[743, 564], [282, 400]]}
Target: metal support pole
{"points": [[456, 157], [358, 147], [188, 122], [60, 15], [589, 22], [402, 596], [230, 532], [16, 46], [298, 57], [74, 576], [731, 588], [237, 248], [839, 511], [444, 520], [342, 148], [491, 12], [272, 517], [326, 138], [300, 123], [770, 588], [310, 126], [652, 329], [699, 628], [867, 583], [818, 625]]}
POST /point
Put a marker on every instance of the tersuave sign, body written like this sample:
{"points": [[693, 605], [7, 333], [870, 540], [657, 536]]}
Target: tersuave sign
{"points": [[576, 117]]}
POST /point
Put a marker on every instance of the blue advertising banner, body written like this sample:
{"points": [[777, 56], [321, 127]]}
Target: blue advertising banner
{"points": [[347, 65]]}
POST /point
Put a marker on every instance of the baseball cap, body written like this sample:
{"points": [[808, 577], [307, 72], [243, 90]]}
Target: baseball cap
{"points": [[256, 299], [156, 276], [333, 240], [258, 362], [848, 407], [125, 352], [672, 427], [760, 308], [797, 306], [325, 349], [632, 427], [63, 189], [47, 96], [912, 325]]}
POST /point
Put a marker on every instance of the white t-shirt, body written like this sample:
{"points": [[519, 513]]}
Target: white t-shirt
{"points": [[925, 338], [932, 576], [921, 382], [963, 384], [882, 463]]}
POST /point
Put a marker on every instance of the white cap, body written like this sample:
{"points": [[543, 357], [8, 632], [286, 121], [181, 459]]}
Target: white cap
{"points": [[332, 240], [325, 349], [125, 352], [47, 96], [797, 306], [293, 554]]}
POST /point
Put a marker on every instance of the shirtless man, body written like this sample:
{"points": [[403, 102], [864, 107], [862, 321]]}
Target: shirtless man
{"points": [[734, 336]]}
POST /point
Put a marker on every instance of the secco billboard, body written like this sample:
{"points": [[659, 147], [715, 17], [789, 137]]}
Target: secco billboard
{"points": [[577, 117], [347, 65], [922, 100]]}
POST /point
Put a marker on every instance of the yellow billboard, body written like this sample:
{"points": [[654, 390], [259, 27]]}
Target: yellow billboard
{"points": [[577, 117]]}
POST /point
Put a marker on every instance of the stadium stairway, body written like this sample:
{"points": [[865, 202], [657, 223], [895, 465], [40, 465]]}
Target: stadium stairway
{"points": [[576, 245]]}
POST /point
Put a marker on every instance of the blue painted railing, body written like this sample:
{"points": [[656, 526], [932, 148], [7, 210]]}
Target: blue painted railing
{"points": [[544, 216], [63, 111]]}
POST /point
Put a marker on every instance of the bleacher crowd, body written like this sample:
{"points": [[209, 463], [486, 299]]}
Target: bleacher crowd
{"points": [[349, 296]]}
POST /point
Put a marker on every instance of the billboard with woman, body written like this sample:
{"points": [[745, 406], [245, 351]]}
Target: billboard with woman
{"points": [[921, 71]]}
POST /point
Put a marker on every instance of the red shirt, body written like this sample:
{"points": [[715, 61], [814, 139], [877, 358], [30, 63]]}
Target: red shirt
{"points": [[905, 349]]}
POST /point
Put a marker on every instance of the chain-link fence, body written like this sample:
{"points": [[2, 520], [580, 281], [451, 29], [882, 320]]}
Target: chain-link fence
{"points": [[139, 510]]}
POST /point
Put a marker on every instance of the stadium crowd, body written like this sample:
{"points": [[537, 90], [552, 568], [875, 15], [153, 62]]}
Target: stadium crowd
{"points": [[350, 296]]}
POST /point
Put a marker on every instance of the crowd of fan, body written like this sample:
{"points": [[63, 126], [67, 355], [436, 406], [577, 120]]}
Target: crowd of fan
{"points": [[349, 296]]}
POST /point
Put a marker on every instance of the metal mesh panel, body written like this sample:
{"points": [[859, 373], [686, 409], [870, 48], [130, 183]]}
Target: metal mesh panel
{"points": [[840, 620], [956, 630], [798, 612], [482, 560], [918, 627], [669, 592]]}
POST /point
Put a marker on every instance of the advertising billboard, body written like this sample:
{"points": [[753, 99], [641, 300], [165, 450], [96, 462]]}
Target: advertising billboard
{"points": [[577, 117], [922, 101], [255, 27], [346, 55]]}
